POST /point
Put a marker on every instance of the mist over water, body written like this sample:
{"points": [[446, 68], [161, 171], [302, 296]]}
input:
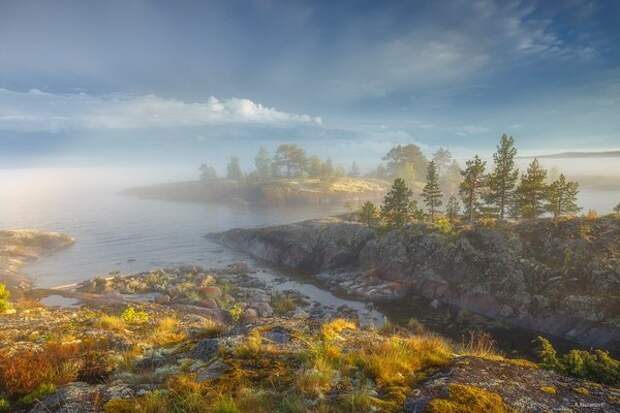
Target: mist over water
{"points": [[121, 233]]}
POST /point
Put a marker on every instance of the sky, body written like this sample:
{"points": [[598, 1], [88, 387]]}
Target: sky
{"points": [[190, 81]]}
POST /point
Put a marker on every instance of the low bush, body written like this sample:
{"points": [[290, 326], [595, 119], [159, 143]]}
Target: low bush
{"points": [[597, 365], [5, 295], [132, 316], [282, 304], [469, 399], [39, 393]]}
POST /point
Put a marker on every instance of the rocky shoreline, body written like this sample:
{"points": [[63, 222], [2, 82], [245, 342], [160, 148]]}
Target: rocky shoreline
{"points": [[194, 339], [277, 192], [530, 275], [17, 247]]}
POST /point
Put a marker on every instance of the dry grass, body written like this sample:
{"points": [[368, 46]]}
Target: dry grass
{"points": [[112, 323], [483, 346], [168, 331]]}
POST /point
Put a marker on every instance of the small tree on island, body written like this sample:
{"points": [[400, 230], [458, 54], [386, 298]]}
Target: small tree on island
{"points": [[398, 208], [207, 173], [472, 186], [617, 209], [532, 191], [369, 214], [453, 209], [562, 197], [233, 170], [431, 193], [503, 179], [262, 162]]}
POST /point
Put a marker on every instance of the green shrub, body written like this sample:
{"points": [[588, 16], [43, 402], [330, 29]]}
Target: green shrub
{"points": [[224, 405], [133, 316], [4, 405], [595, 365], [4, 299], [236, 311], [282, 304], [39, 393]]}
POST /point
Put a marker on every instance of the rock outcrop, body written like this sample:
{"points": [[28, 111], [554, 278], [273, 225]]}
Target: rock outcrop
{"points": [[557, 277], [20, 246]]}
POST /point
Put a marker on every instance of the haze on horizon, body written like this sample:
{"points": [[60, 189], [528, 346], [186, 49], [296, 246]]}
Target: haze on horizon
{"points": [[184, 82]]}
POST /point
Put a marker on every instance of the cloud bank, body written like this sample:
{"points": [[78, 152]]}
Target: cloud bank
{"points": [[35, 110]]}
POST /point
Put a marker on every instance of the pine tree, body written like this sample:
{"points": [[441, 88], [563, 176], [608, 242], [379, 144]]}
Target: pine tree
{"points": [[442, 159], [397, 208], [472, 186], [562, 197], [503, 179], [207, 173], [453, 208], [431, 193], [532, 191], [233, 171], [262, 162], [369, 214]]}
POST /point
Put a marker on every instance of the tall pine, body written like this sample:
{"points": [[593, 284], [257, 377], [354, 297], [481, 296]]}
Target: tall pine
{"points": [[431, 193], [562, 197], [472, 186], [532, 191], [503, 179], [453, 209], [397, 208]]}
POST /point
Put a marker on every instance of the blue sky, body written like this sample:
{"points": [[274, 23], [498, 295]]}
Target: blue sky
{"points": [[183, 80]]}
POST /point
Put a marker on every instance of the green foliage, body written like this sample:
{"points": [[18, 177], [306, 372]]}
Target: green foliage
{"points": [[236, 311], [532, 191], [282, 304], [233, 170], [595, 365], [431, 193], [562, 196], [262, 162], [224, 405], [44, 389], [132, 316], [472, 186], [469, 399], [442, 159], [4, 405], [289, 161], [369, 214], [398, 208], [504, 177], [5, 295], [406, 162], [444, 225], [207, 173], [453, 209]]}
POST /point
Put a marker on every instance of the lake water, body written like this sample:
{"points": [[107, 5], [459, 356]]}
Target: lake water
{"points": [[121, 233]]}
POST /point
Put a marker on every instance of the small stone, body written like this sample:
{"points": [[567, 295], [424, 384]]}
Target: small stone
{"points": [[205, 349], [249, 315]]}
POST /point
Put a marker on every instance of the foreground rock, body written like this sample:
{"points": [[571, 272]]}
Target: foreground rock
{"points": [[557, 277]]}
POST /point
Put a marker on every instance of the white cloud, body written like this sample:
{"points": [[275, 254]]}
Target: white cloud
{"points": [[471, 130], [40, 111]]}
